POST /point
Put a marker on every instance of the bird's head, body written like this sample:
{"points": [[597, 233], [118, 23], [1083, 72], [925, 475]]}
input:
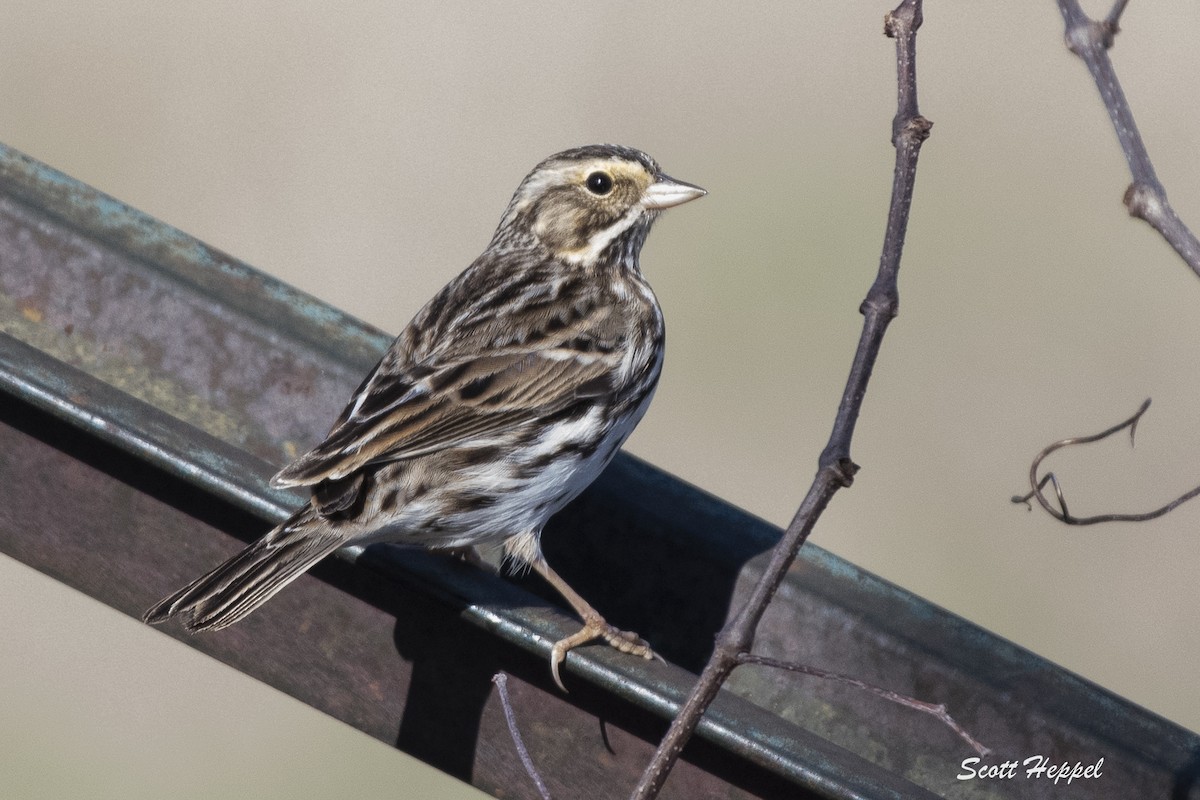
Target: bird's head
{"points": [[591, 204]]}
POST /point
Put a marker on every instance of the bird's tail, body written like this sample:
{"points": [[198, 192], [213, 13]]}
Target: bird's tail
{"points": [[223, 596]]}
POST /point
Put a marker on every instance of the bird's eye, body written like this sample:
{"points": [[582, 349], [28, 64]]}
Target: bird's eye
{"points": [[599, 183]]}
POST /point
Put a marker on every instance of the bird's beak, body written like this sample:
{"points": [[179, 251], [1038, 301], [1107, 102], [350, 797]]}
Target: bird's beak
{"points": [[666, 192]]}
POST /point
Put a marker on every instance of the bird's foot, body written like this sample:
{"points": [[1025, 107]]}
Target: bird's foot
{"points": [[596, 628]]}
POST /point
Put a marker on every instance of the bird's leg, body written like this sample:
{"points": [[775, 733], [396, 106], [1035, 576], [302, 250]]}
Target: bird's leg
{"points": [[594, 625]]}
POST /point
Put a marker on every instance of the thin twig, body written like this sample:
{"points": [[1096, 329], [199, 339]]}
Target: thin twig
{"points": [[835, 467], [936, 710], [501, 681], [1145, 198], [1061, 513], [1113, 20]]}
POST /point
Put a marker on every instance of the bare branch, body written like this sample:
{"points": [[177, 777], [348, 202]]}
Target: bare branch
{"points": [[836, 469], [1113, 20], [1061, 513], [501, 681], [1145, 198], [938, 710]]}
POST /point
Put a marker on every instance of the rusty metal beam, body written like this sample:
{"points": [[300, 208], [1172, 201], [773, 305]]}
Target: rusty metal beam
{"points": [[148, 387]]}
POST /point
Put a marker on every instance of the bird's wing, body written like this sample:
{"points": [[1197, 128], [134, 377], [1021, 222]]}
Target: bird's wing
{"points": [[461, 394]]}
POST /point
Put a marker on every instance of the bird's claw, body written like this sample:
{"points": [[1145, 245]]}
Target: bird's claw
{"points": [[625, 641]]}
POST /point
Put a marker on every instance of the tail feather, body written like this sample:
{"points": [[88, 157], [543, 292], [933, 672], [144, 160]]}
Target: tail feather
{"points": [[234, 589]]}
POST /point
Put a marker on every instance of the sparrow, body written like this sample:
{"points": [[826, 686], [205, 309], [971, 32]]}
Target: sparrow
{"points": [[505, 397]]}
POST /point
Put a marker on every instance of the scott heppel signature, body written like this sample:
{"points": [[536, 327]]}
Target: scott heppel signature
{"points": [[1032, 768]]}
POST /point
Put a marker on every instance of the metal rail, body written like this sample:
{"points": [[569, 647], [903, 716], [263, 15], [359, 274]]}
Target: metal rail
{"points": [[148, 387]]}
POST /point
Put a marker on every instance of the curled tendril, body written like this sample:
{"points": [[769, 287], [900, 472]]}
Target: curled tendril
{"points": [[1061, 513]]}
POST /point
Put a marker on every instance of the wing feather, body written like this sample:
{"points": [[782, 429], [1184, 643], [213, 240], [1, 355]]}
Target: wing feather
{"points": [[410, 409]]}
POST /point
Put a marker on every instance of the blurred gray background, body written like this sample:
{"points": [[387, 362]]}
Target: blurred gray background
{"points": [[364, 153]]}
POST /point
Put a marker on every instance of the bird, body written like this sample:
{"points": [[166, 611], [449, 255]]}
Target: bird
{"points": [[503, 399]]}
